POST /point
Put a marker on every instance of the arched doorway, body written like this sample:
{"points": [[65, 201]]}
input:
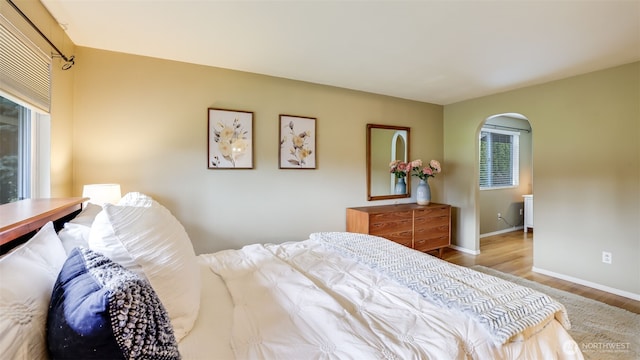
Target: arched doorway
{"points": [[505, 172]]}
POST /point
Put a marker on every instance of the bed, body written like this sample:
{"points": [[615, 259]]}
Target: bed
{"points": [[334, 295]]}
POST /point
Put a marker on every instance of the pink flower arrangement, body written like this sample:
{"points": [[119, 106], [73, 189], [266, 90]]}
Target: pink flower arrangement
{"points": [[399, 168], [426, 172]]}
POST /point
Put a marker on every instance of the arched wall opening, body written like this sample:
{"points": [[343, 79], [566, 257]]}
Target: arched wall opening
{"points": [[505, 173]]}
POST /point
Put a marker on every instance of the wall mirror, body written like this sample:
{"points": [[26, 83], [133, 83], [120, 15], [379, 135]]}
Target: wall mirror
{"points": [[385, 143]]}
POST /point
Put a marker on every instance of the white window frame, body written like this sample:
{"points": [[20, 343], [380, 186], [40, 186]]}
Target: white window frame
{"points": [[515, 158], [40, 155]]}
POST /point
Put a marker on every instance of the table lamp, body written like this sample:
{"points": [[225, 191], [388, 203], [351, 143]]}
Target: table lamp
{"points": [[101, 194]]}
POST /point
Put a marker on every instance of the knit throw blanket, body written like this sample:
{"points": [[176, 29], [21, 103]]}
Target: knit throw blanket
{"points": [[504, 308]]}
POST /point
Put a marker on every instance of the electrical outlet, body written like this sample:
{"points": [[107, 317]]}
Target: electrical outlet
{"points": [[521, 212], [499, 216], [606, 257]]}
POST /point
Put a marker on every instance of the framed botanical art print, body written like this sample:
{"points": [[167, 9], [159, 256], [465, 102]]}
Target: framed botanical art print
{"points": [[297, 142], [230, 139]]}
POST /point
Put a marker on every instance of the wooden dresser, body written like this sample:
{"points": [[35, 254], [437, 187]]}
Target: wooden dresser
{"points": [[423, 228]]}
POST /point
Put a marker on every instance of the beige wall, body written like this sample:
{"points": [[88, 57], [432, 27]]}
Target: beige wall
{"points": [[587, 172], [62, 132], [142, 122]]}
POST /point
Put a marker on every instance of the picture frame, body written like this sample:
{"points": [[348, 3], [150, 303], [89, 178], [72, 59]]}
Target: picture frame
{"points": [[229, 139], [298, 146]]}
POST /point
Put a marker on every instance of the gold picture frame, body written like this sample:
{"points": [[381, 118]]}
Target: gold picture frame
{"points": [[229, 139], [298, 145]]}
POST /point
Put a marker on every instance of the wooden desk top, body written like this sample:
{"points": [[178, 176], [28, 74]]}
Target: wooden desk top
{"points": [[23, 216]]}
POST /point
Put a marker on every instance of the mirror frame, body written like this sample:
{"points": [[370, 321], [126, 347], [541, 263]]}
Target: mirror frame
{"points": [[390, 196]]}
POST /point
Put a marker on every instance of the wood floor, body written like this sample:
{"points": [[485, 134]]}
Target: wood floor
{"points": [[513, 253]]}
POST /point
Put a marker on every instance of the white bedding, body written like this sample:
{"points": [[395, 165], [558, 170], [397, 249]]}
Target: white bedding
{"points": [[302, 300], [210, 337]]}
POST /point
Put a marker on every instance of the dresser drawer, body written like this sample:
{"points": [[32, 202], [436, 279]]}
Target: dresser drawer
{"points": [[391, 216], [432, 212], [431, 242], [395, 226], [382, 228], [431, 232], [401, 237], [424, 222]]}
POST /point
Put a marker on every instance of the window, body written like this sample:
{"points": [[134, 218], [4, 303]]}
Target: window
{"points": [[25, 100], [499, 158], [14, 151], [24, 152]]}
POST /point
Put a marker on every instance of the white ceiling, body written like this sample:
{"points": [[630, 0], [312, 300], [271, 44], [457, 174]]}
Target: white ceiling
{"points": [[434, 51]]}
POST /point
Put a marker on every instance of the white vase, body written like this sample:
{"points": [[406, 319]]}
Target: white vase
{"points": [[401, 186], [423, 193]]}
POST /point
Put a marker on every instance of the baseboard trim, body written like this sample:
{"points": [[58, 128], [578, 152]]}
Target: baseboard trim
{"points": [[502, 231], [465, 250], [590, 284]]}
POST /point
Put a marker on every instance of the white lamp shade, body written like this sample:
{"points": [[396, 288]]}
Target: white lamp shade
{"points": [[102, 193]]}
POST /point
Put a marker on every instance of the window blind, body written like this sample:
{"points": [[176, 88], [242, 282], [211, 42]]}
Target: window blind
{"points": [[499, 158], [25, 70]]}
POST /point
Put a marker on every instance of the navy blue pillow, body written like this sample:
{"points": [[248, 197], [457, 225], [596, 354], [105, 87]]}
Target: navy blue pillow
{"points": [[100, 310]]}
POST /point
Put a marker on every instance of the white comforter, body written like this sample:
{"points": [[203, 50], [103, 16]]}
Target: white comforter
{"points": [[303, 300]]}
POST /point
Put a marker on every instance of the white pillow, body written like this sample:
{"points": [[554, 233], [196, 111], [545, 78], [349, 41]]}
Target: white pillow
{"points": [[27, 276], [135, 199], [73, 236], [75, 233], [151, 241], [87, 215]]}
